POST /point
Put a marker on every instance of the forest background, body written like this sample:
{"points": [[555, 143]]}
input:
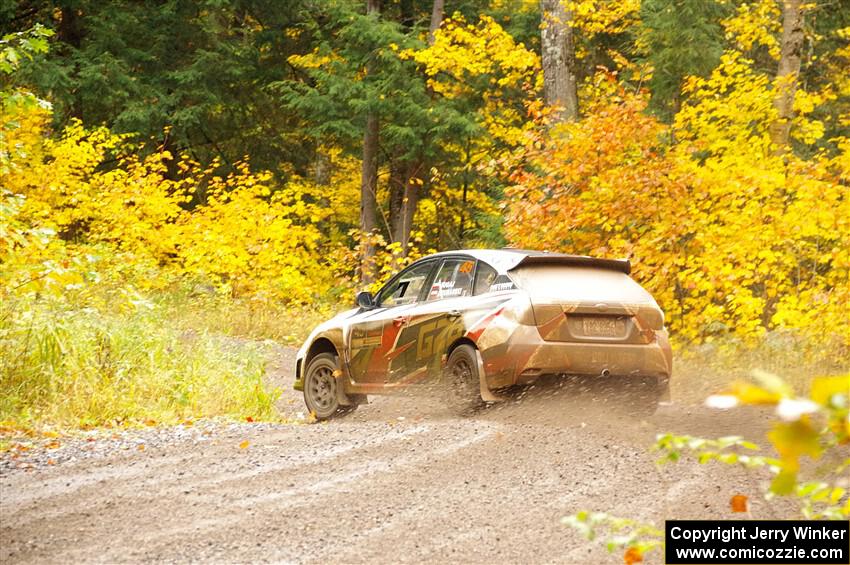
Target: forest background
{"points": [[174, 171]]}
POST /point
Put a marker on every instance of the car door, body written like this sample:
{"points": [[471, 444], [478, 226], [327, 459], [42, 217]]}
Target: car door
{"points": [[438, 320], [374, 338]]}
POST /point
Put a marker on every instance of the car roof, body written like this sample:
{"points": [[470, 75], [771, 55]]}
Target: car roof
{"points": [[506, 259]]}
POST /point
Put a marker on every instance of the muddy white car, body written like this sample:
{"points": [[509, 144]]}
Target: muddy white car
{"points": [[479, 321]]}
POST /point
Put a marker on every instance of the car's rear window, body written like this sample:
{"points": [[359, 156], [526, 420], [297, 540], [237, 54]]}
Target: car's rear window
{"points": [[567, 282]]}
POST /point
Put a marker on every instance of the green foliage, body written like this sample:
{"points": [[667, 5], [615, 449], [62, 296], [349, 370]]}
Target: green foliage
{"points": [[197, 70], [721, 449], [15, 47], [15, 50], [679, 38], [626, 533]]}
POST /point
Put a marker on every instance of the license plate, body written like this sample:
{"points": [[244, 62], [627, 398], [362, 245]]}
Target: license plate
{"points": [[599, 326]]}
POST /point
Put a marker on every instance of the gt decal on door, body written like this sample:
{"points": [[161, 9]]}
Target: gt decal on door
{"points": [[435, 336]]}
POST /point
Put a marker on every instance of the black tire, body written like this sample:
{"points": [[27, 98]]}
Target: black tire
{"points": [[641, 396], [460, 380], [320, 388]]}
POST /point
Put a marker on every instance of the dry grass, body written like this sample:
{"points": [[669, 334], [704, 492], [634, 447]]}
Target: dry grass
{"points": [[253, 318], [81, 366], [699, 371]]}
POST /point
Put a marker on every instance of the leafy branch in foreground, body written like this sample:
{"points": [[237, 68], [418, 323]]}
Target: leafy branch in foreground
{"points": [[631, 534], [816, 427]]}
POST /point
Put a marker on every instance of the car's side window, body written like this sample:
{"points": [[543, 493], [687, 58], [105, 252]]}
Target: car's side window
{"points": [[405, 288], [453, 279], [485, 275]]}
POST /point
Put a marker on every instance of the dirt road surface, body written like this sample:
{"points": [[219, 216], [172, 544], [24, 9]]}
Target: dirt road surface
{"points": [[398, 481]]}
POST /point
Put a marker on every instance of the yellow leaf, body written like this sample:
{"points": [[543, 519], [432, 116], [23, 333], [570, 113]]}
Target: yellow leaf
{"points": [[747, 393], [773, 383], [823, 388]]}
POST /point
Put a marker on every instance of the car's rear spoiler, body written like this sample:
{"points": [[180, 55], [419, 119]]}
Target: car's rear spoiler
{"points": [[621, 265]]}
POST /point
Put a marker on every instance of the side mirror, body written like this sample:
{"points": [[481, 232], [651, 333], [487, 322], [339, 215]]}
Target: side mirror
{"points": [[365, 300]]}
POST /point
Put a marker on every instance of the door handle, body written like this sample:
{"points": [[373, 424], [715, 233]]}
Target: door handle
{"points": [[399, 320], [453, 313]]}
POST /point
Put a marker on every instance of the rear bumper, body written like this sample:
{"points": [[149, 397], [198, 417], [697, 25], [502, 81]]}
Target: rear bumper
{"points": [[527, 356]]}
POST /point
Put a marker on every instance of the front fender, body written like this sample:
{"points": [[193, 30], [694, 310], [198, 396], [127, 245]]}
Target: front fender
{"points": [[322, 339]]}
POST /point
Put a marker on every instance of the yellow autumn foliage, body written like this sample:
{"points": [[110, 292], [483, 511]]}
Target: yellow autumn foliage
{"points": [[241, 232], [731, 238], [462, 54], [755, 23]]}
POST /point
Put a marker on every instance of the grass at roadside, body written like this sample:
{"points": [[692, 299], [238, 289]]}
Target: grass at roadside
{"points": [[128, 361], [252, 318], [702, 370]]}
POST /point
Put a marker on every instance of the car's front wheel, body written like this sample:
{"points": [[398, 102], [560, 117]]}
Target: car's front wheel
{"points": [[320, 388], [460, 379]]}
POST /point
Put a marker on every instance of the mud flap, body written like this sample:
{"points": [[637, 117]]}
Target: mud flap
{"points": [[341, 396], [486, 394]]}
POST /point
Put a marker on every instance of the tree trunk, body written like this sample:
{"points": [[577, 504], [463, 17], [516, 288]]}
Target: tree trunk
{"points": [[786, 76], [436, 19], [322, 167], [69, 29], [369, 184], [404, 197], [411, 181], [407, 15], [409, 201], [397, 182], [467, 165], [559, 60], [405, 174], [368, 200]]}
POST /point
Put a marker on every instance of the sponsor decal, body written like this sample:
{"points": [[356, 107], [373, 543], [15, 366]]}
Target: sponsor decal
{"points": [[445, 289], [501, 286]]}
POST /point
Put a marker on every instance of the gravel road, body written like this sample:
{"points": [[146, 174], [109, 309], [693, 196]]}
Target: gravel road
{"points": [[398, 481]]}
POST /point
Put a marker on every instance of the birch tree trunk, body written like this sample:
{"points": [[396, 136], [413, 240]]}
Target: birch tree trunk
{"points": [[559, 61], [786, 77], [436, 19]]}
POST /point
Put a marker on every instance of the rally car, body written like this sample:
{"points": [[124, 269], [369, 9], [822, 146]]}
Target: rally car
{"points": [[480, 321]]}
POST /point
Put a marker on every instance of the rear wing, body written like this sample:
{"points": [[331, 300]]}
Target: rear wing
{"points": [[621, 265]]}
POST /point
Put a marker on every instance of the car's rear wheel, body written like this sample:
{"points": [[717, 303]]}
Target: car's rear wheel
{"points": [[460, 379], [320, 388], [642, 395]]}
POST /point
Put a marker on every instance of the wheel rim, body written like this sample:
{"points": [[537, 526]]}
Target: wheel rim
{"points": [[461, 375], [322, 389]]}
